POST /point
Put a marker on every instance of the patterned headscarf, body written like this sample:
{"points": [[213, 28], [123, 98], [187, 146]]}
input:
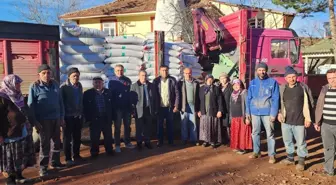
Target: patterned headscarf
{"points": [[9, 91], [235, 94]]}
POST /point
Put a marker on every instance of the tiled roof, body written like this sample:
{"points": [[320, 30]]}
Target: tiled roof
{"points": [[323, 46]]}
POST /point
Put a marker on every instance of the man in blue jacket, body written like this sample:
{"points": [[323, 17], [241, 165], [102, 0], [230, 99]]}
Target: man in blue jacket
{"points": [[120, 86], [46, 104], [262, 107]]}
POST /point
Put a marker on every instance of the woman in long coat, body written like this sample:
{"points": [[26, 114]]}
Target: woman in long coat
{"points": [[16, 145], [210, 112]]}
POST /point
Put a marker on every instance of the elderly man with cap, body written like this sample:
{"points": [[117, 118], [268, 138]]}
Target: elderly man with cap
{"points": [[262, 107], [46, 104], [226, 90], [295, 115], [72, 94], [211, 110], [99, 112]]}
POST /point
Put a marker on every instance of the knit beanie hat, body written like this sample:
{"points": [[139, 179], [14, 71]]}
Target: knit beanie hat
{"points": [[208, 76], [262, 65], [73, 70], [290, 70], [42, 68]]}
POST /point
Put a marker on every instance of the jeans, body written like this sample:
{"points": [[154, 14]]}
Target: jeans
{"points": [[98, 126], [166, 113], [143, 126], [72, 134], [126, 118], [50, 132], [299, 133], [328, 133], [256, 129], [188, 124]]}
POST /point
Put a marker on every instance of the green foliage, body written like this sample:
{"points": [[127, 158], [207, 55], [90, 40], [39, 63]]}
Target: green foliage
{"points": [[304, 7]]}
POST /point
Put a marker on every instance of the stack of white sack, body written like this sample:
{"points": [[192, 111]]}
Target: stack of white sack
{"points": [[149, 63], [82, 48], [126, 51], [177, 56]]}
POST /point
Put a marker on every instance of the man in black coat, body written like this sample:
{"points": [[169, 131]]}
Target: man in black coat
{"points": [[99, 112], [167, 101], [142, 99]]}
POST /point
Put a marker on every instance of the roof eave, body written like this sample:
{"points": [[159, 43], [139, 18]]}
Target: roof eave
{"points": [[109, 15]]}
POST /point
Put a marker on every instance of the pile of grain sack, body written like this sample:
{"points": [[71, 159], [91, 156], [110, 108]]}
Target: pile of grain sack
{"points": [[177, 56], [96, 54]]}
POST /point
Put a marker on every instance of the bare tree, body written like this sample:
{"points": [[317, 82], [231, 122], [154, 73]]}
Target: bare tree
{"points": [[46, 11], [332, 24], [312, 30]]}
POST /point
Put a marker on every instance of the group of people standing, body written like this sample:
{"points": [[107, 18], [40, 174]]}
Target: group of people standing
{"points": [[227, 114]]}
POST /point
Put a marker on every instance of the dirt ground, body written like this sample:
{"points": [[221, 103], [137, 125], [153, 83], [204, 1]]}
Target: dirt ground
{"points": [[192, 165]]}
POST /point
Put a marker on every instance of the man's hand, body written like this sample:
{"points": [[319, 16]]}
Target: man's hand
{"points": [[281, 118], [272, 119], [199, 114], [247, 121], [317, 127], [307, 124], [175, 109], [219, 114], [1, 139], [38, 127], [62, 123]]}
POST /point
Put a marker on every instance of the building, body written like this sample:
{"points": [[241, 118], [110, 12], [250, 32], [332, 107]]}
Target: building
{"points": [[136, 17]]}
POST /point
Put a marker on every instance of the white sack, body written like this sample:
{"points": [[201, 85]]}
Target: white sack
{"points": [[93, 68], [78, 31], [123, 53], [81, 58], [132, 60], [125, 40], [124, 46], [82, 41], [81, 49]]}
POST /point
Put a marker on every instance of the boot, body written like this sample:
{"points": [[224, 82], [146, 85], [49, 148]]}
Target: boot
{"points": [[20, 179], [301, 164], [10, 180]]}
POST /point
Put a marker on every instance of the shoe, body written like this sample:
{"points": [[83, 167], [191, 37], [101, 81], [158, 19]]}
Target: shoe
{"points": [[139, 146], [43, 172], [301, 164], [272, 160], [328, 174], [78, 159], [148, 145], [117, 149], [19, 179], [235, 150], [288, 161], [213, 146], [159, 144], [254, 156], [129, 145], [69, 163], [10, 180], [197, 144], [241, 152], [58, 166], [205, 144]]}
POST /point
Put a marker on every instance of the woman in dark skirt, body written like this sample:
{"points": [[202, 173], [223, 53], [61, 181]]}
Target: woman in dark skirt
{"points": [[241, 129], [211, 111], [225, 88], [16, 144]]}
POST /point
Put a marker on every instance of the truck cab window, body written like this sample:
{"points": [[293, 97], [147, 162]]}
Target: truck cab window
{"points": [[293, 52], [279, 48]]}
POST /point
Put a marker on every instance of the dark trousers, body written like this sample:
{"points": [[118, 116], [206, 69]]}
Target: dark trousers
{"points": [[98, 126], [72, 134], [50, 139], [125, 117], [226, 127], [143, 126], [166, 113]]}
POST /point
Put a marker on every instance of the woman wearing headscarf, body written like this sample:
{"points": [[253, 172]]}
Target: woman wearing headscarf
{"points": [[241, 129], [225, 88], [16, 145], [210, 112]]}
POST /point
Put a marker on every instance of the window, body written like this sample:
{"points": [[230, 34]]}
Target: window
{"points": [[293, 52], [109, 28], [279, 48]]}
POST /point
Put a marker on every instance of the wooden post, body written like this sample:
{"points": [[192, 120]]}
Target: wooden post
{"points": [[159, 51]]}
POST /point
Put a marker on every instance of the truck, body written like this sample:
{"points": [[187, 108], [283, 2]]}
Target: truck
{"points": [[240, 40], [25, 46]]}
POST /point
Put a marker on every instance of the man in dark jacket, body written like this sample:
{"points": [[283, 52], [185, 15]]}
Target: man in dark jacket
{"points": [[142, 98], [167, 100], [189, 106], [46, 104], [295, 115], [325, 121], [99, 112], [226, 90], [72, 93], [120, 86]]}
